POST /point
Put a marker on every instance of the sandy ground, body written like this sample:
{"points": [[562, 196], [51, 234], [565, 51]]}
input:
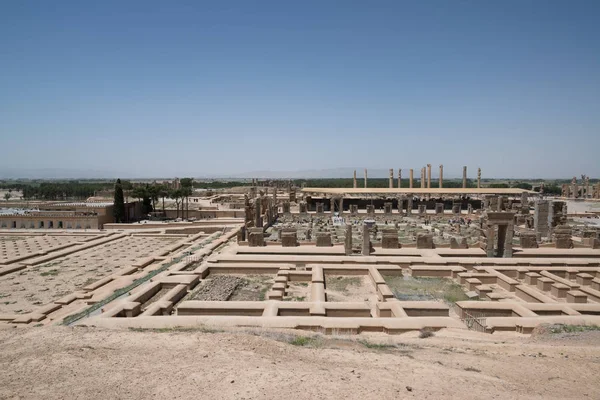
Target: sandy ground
{"points": [[12, 246], [86, 363], [342, 288], [26, 290]]}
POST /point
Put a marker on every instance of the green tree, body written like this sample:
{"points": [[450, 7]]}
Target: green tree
{"points": [[554, 190], [127, 189], [119, 203], [142, 193], [163, 192], [187, 190], [177, 196], [7, 196], [139, 192], [153, 194], [522, 185]]}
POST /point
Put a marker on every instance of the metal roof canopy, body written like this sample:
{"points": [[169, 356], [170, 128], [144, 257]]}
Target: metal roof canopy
{"points": [[436, 191]]}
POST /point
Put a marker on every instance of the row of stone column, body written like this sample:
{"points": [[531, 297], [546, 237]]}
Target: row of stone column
{"points": [[425, 178], [586, 191]]}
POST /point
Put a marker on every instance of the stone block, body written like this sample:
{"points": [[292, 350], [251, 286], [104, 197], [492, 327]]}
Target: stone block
{"points": [[256, 237], [324, 240], [456, 209], [302, 207], [531, 278], [387, 207], [544, 283], [584, 279], [576, 296], [559, 290], [594, 243], [556, 214], [528, 240], [289, 239], [389, 239], [563, 242], [425, 241]]}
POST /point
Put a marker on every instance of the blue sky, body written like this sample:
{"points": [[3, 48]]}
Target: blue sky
{"points": [[197, 88]]}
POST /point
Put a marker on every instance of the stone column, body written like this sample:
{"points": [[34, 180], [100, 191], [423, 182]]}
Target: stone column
{"points": [[366, 241], [348, 240], [409, 205], [502, 229], [540, 219], [574, 188], [257, 214], [410, 178], [508, 242], [423, 178], [500, 203], [587, 187], [319, 208], [428, 176], [399, 178], [441, 176], [365, 178], [464, 177], [332, 205], [486, 202], [391, 178], [478, 178], [524, 203], [490, 237], [354, 181], [341, 205]]}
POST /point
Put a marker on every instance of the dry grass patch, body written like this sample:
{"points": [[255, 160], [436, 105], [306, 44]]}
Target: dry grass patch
{"points": [[422, 289]]}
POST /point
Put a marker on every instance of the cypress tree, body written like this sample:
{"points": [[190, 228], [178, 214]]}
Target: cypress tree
{"points": [[119, 203]]}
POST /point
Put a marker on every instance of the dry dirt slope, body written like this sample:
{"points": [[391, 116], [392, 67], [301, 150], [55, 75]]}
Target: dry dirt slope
{"points": [[87, 363]]}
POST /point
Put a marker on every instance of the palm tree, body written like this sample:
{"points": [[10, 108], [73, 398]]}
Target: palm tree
{"points": [[163, 192], [187, 189], [153, 193], [177, 195]]}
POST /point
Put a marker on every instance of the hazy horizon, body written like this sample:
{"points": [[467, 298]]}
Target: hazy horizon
{"points": [[143, 89], [335, 173]]}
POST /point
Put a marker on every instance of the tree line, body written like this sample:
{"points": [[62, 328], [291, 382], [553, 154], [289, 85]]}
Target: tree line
{"points": [[69, 190], [149, 195]]}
